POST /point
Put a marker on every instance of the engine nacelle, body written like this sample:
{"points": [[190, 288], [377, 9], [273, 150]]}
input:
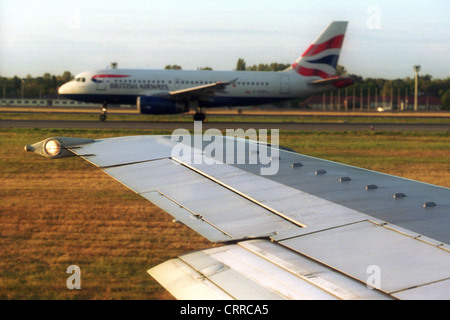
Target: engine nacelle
{"points": [[157, 105]]}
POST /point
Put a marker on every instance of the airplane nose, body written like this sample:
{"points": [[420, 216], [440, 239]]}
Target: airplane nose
{"points": [[63, 89]]}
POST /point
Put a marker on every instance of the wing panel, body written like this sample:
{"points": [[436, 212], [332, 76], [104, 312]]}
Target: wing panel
{"points": [[260, 269], [202, 198], [408, 212], [185, 283], [433, 291], [402, 261], [123, 150], [188, 218], [296, 205], [335, 283]]}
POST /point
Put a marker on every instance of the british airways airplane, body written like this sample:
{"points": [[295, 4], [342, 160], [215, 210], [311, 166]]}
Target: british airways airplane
{"points": [[177, 91]]}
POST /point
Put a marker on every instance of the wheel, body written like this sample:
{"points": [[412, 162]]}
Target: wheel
{"points": [[199, 116], [102, 117]]}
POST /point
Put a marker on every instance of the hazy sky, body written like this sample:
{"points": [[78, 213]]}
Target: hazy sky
{"points": [[384, 38]]}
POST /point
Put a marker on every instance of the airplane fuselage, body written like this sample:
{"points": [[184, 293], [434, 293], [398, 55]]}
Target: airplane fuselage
{"points": [[124, 86]]}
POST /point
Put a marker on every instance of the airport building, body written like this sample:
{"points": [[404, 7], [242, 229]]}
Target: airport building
{"points": [[46, 103], [333, 101]]}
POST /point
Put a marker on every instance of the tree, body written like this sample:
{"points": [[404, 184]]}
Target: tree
{"points": [[204, 69], [445, 100], [274, 66], [67, 76], [240, 65], [340, 70], [173, 67]]}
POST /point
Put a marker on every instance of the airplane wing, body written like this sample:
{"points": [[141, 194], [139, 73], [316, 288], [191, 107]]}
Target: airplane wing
{"points": [[315, 229], [199, 92]]}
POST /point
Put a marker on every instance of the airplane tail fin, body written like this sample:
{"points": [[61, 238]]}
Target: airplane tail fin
{"points": [[321, 58]]}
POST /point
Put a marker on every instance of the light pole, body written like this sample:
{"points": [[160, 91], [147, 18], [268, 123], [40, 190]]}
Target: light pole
{"points": [[416, 70], [22, 89]]}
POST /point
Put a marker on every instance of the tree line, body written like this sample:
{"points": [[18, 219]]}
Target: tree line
{"points": [[46, 86]]}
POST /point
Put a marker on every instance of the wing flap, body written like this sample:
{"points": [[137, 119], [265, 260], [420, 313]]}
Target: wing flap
{"points": [[432, 291], [260, 269], [185, 283], [396, 261]]}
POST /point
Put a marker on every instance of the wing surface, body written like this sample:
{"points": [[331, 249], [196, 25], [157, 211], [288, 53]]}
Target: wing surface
{"points": [[201, 92], [313, 230]]}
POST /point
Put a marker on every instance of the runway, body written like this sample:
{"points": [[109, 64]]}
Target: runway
{"points": [[166, 125]]}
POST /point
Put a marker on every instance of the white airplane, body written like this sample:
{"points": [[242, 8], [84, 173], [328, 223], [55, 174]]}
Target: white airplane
{"points": [[176, 91]]}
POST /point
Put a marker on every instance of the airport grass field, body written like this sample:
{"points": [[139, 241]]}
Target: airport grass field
{"points": [[230, 115], [57, 213]]}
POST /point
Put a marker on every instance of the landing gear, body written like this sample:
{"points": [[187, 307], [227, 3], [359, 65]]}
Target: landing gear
{"points": [[104, 109], [199, 116]]}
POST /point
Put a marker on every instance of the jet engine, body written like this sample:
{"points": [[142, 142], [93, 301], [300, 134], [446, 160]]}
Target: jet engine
{"points": [[158, 105]]}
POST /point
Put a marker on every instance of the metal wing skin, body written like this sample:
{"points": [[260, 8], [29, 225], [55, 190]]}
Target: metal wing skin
{"points": [[310, 229]]}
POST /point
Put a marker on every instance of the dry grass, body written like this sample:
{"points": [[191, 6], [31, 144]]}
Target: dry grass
{"points": [[57, 213]]}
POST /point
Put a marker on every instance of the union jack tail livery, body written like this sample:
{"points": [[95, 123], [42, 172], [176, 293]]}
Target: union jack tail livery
{"points": [[321, 58]]}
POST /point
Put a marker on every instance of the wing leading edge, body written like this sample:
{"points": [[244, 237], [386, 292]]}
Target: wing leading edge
{"points": [[202, 92], [314, 230]]}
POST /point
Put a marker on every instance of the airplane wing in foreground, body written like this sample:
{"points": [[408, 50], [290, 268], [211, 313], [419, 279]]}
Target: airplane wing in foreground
{"points": [[314, 230]]}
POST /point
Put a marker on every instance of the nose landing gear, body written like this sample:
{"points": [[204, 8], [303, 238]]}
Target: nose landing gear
{"points": [[104, 110]]}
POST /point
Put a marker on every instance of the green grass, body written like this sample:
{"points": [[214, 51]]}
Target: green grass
{"points": [[343, 118], [55, 213]]}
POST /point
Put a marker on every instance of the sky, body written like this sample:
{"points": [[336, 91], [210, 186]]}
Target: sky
{"points": [[384, 39]]}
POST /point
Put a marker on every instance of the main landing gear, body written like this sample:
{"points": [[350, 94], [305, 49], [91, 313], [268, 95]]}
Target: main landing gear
{"points": [[199, 116], [104, 109]]}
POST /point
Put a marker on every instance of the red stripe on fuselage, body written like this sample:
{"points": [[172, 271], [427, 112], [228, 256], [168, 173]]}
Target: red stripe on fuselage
{"points": [[333, 43], [109, 76]]}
